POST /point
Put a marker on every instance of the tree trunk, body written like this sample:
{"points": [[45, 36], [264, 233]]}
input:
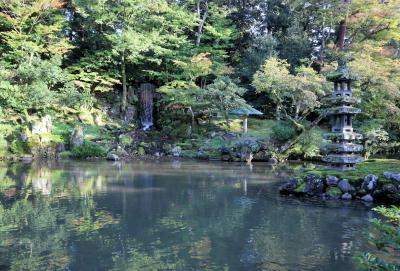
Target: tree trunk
{"points": [[321, 52], [341, 37], [31, 55], [278, 112], [124, 87], [192, 117], [297, 112], [202, 20], [294, 140]]}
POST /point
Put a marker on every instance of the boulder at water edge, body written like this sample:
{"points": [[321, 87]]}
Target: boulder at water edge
{"points": [[346, 187], [313, 185], [77, 137], [392, 176], [370, 183], [332, 180], [289, 187]]}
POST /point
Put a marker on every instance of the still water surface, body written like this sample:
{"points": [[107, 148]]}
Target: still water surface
{"points": [[169, 216]]}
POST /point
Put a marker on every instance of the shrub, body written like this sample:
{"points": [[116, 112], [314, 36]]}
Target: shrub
{"points": [[3, 146], [309, 144], [18, 147], [282, 131], [385, 237], [62, 130], [88, 149], [126, 140]]}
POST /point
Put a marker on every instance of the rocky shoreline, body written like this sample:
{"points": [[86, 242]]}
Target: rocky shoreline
{"points": [[370, 189]]}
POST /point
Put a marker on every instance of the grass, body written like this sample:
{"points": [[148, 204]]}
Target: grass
{"points": [[92, 132], [6, 183], [374, 166], [257, 128]]}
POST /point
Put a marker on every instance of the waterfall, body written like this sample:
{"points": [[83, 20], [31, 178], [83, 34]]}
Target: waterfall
{"points": [[146, 105]]}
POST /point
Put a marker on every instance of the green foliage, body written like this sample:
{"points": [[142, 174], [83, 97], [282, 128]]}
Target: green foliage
{"points": [[309, 144], [385, 237], [254, 56], [223, 96], [94, 133], [334, 192], [36, 86], [6, 183], [300, 187], [62, 130], [126, 140], [282, 131], [3, 146], [88, 149], [374, 139], [32, 28], [18, 147], [79, 56], [297, 95]]}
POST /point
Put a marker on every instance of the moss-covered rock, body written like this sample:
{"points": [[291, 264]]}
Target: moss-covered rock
{"points": [[167, 147], [77, 137], [355, 177], [141, 151], [289, 187], [333, 192], [367, 181], [126, 140], [300, 188], [86, 117]]}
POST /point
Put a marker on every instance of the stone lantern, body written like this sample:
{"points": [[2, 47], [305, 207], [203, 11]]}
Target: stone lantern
{"points": [[343, 149]]}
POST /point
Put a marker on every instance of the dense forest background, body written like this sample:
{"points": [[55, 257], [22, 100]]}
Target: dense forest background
{"points": [[80, 61]]}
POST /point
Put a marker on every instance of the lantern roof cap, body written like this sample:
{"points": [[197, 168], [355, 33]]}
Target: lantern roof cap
{"points": [[341, 74]]}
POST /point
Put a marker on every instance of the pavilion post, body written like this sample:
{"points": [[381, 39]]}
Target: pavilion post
{"points": [[245, 124]]}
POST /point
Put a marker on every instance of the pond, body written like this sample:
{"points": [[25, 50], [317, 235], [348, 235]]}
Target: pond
{"points": [[173, 215]]}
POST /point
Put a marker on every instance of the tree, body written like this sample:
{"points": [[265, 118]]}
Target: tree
{"points": [[223, 96], [133, 41], [294, 95], [184, 93], [37, 86], [274, 79], [32, 28]]}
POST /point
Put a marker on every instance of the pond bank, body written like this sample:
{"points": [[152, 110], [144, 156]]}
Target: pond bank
{"points": [[372, 181]]}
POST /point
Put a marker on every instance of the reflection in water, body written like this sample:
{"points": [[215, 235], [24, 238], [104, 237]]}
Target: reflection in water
{"points": [[169, 215]]}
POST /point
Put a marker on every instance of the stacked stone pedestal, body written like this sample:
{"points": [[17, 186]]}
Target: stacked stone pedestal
{"points": [[343, 152]]}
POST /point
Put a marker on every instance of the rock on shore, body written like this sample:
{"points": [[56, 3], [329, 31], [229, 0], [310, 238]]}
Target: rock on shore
{"points": [[368, 189]]}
